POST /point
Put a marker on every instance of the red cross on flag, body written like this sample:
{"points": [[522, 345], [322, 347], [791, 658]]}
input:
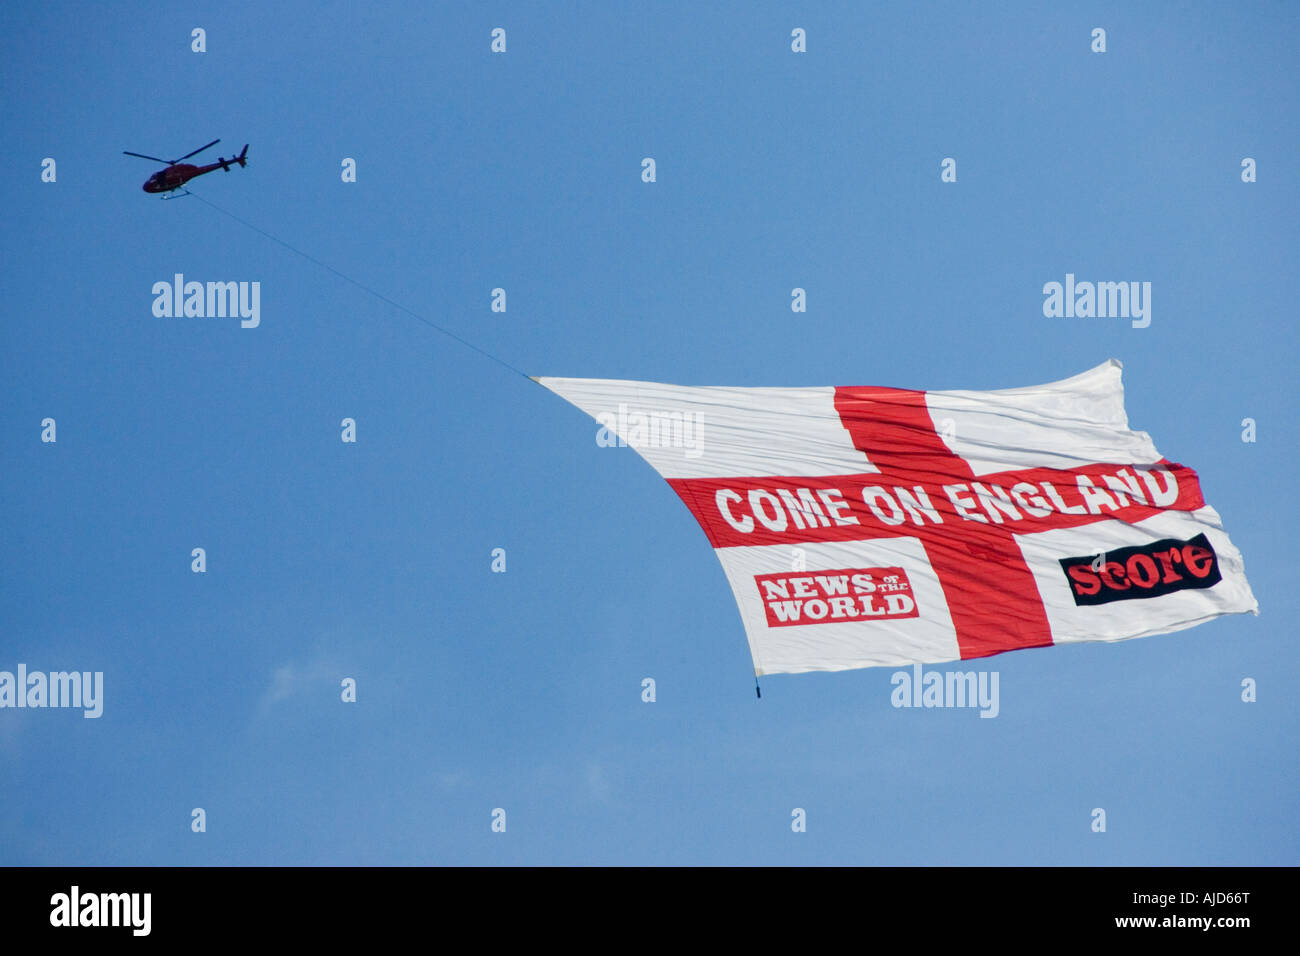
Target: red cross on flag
{"points": [[866, 526]]}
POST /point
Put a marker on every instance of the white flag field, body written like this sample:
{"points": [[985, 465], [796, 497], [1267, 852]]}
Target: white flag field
{"points": [[868, 526]]}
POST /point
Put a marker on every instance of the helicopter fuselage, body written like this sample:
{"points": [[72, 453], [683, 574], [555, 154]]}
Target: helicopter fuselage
{"points": [[174, 177]]}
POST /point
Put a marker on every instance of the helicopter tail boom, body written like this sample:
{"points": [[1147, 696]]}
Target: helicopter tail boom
{"points": [[225, 163]]}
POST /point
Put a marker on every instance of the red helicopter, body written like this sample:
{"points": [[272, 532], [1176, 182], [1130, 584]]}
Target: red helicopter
{"points": [[177, 173]]}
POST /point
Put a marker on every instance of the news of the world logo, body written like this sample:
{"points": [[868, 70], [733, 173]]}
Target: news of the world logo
{"points": [[824, 597]]}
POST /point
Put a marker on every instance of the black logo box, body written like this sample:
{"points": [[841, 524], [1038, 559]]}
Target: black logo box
{"points": [[1147, 571]]}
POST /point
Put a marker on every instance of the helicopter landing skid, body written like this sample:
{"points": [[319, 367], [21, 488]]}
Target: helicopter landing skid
{"points": [[175, 195]]}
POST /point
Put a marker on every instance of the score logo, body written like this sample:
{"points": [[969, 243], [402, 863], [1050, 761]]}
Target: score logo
{"points": [[1150, 570], [825, 597]]}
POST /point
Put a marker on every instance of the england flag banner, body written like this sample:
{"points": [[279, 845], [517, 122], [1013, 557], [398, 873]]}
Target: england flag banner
{"points": [[871, 526]]}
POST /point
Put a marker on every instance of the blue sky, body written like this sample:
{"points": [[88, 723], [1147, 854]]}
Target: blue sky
{"points": [[522, 171]]}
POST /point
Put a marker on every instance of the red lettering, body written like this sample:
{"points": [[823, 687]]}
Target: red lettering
{"points": [[1167, 559], [1144, 571], [1109, 581], [1085, 582], [1149, 573], [1198, 560]]}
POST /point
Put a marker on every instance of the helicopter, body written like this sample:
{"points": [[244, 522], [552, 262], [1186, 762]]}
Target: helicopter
{"points": [[178, 173]]}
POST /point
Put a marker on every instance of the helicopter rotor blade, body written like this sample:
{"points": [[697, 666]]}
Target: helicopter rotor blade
{"points": [[143, 156], [199, 150]]}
